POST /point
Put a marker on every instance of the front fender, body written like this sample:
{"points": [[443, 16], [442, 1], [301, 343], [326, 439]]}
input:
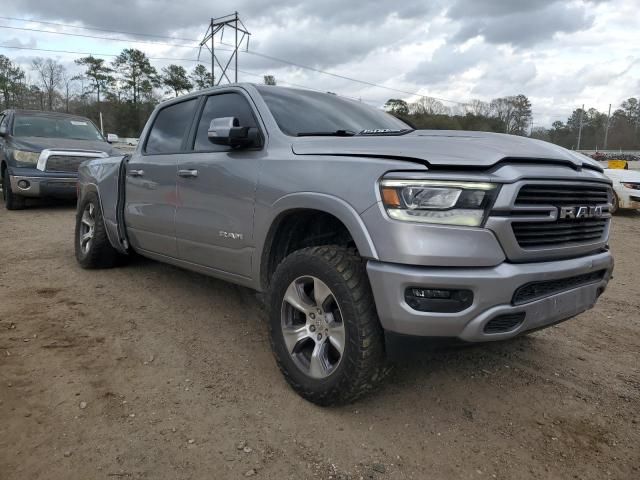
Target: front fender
{"points": [[343, 211]]}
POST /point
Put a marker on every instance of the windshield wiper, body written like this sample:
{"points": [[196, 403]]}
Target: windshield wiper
{"points": [[335, 133]]}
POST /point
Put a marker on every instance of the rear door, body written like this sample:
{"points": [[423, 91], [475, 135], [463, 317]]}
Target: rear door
{"points": [[216, 191], [151, 180]]}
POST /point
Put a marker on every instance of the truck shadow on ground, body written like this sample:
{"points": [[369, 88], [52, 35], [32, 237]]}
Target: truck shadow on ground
{"points": [[415, 361], [54, 204]]}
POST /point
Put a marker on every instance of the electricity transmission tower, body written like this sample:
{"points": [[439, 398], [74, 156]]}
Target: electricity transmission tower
{"points": [[215, 33]]}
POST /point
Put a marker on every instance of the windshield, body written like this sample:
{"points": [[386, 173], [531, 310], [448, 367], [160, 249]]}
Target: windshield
{"points": [[300, 112], [55, 127]]}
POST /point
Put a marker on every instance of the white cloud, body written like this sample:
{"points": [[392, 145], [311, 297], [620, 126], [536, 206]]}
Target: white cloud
{"points": [[560, 53]]}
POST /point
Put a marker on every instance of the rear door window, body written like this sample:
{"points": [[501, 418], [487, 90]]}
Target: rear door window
{"points": [[169, 128]]}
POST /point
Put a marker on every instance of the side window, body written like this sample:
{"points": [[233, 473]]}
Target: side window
{"points": [[169, 128], [218, 106]]}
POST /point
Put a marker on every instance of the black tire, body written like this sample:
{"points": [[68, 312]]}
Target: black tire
{"points": [[11, 200], [362, 365], [98, 253]]}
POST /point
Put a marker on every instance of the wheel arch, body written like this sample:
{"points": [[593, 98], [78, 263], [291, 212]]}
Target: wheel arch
{"points": [[307, 211]]}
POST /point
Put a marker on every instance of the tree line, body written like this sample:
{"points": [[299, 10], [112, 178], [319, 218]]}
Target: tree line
{"points": [[505, 115], [600, 131], [513, 115], [126, 89]]}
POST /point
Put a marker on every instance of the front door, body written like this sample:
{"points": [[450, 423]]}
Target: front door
{"points": [[151, 181], [216, 191]]}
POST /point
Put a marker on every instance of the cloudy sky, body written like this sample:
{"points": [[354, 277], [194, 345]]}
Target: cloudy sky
{"points": [[560, 53]]}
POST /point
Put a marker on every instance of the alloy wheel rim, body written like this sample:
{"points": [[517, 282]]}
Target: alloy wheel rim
{"points": [[312, 327], [87, 227]]}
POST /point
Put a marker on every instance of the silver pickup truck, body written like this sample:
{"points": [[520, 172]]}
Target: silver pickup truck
{"points": [[356, 226]]}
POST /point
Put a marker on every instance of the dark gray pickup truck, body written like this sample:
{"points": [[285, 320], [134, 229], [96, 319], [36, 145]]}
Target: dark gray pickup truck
{"points": [[355, 225], [40, 153]]}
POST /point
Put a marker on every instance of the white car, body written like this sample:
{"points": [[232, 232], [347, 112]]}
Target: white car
{"points": [[626, 186]]}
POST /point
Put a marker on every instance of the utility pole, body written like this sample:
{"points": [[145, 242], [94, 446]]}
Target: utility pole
{"points": [[635, 130], [606, 131], [218, 26], [580, 129]]}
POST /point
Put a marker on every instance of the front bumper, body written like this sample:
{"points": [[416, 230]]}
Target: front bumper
{"points": [[629, 198], [493, 289], [32, 184]]}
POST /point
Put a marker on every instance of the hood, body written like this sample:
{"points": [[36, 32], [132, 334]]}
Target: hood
{"points": [[36, 144], [445, 148]]}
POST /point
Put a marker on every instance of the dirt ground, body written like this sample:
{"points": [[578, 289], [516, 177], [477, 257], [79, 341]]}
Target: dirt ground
{"points": [[147, 371]]}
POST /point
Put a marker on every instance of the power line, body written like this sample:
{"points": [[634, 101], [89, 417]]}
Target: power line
{"points": [[344, 77], [83, 35], [251, 52], [73, 52], [97, 29], [193, 60]]}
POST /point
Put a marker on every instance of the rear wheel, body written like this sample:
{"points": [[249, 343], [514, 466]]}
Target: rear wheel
{"points": [[92, 246], [11, 200], [325, 332]]}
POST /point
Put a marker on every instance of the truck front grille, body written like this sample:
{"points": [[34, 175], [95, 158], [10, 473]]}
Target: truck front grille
{"points": [[558, 233], [561, 232], [563, 195], [65, 163]]}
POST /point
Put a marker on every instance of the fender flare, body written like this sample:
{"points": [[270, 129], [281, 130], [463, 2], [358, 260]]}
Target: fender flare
{"points": [[330, 204]]}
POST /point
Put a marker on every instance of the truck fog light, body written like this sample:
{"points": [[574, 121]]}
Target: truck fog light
{"points": [[24, 184], [438, 300]]}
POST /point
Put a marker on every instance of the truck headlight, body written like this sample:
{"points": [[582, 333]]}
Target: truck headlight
{"points": [[632, 186], [26, 158], [435, 201]]}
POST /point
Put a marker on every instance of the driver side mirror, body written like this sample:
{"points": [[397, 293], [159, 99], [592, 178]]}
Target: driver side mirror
{"points": [[112, 137], [3, 131], [227, 131]]}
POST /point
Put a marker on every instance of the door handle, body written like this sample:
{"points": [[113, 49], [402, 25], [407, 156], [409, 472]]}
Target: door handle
{"points": [[135, 173], [187, 173]]}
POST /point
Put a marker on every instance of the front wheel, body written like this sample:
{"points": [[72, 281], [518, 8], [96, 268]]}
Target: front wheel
{"points": [[92, 246], [11, 200], [325, 331]]}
